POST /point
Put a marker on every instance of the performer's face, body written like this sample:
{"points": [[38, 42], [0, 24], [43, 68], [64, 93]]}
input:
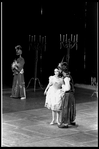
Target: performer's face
{"points": [[64, 74], [18, 52], [60, 70], [56, 72]]}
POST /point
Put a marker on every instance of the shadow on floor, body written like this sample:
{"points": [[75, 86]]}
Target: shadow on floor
{"points": [[36, 100]]}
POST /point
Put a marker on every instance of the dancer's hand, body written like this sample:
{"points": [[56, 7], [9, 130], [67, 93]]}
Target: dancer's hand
{"points": [[45, 92]]}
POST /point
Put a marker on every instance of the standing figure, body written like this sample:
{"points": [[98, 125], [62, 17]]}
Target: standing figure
{"points": [[18, 86], [54, 95], [68, 114]]}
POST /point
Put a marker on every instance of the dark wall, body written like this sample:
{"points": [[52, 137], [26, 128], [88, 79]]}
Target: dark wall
{"points": [[23, 19], [91, 43]]}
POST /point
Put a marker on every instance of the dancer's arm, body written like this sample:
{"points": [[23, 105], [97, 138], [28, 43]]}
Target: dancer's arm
{"points": [[48, 86]]}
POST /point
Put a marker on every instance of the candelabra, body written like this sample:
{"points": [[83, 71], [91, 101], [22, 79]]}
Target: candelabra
{"points": [[38, 44], [68, 43]]}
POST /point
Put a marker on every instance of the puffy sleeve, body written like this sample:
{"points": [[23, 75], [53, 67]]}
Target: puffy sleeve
{"points": [[66, 86], [51, 80]]}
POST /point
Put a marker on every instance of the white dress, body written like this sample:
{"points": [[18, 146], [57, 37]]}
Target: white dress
{"points": [[54, 94]]}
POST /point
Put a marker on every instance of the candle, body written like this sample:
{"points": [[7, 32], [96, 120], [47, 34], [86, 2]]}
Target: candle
{"points": [[60, 37], [63, 38], [34, 37], [71, 36], [39, 38], [66, 37], [45, 39], [41, 10], [42, 39], [74, 38]]}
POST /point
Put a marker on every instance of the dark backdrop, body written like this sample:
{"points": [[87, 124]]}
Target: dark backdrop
{"points": [[23, 19]]}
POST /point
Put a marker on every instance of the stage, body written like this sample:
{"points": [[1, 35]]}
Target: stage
{"points": [[25, 123]]}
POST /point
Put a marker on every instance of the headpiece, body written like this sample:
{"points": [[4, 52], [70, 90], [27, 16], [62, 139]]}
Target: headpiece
{"points": [[18, 47], [63, 66]]}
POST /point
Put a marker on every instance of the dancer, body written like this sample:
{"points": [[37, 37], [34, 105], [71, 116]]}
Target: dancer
{"points": [[18, 86], [68, 114], [54, 96]]}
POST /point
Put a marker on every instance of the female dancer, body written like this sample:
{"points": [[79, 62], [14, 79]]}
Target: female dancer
{"points": [[54, 96]]}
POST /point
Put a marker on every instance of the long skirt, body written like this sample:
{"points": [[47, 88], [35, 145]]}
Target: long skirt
{"points": [[68, 108], [18, 86]]}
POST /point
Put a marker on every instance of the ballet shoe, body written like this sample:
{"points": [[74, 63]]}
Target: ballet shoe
{"points": [[63, 126], [23, 98], [52, 123], [58, 122]]}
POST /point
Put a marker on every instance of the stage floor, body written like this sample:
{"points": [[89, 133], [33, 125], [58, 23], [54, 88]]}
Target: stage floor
{"points": [[26, 123]]}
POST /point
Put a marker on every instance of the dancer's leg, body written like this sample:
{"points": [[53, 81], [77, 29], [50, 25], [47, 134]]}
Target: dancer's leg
{"points": [[53, 117], [58, 117]]}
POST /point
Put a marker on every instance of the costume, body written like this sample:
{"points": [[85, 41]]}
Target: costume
{"points": [[18, 86], [54, 94], [68, 108]]}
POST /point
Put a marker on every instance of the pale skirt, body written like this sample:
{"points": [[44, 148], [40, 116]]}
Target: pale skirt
{"points": [[54, 98]]}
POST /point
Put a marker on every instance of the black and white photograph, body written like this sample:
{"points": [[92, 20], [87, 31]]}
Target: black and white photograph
{"points": [[49, 74]]}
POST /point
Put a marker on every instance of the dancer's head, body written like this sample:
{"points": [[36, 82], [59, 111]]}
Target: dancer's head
{"points": [[18, 50], [63, 66], [56, 71], [65, 73]]}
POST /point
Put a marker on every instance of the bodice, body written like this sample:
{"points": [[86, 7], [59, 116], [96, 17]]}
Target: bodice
{"points": [[56, 82]]}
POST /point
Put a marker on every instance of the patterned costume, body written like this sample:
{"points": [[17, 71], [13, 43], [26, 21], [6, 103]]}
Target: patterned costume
{"points": [[18, 86]]}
